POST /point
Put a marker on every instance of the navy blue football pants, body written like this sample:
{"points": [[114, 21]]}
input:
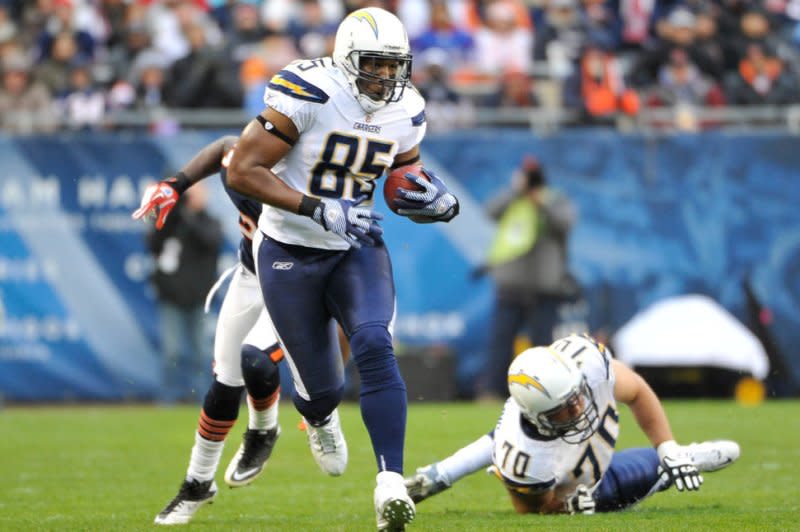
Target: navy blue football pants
{"points": [[306, 291], [631, 476]]}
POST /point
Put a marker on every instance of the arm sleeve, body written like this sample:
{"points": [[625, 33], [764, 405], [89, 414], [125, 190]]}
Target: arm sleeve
{"points": [[560, 213], [499, 203]]}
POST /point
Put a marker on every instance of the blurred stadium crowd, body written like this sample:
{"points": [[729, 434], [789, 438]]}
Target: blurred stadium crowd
{"points": [[77, 63]]}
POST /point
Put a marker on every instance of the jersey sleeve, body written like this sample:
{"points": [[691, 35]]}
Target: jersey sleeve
{"points": [[518, 462], [415, 107], [295, 96]]}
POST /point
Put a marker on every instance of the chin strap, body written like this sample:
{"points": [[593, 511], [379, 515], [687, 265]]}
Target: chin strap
{"points": [[368, 104]]}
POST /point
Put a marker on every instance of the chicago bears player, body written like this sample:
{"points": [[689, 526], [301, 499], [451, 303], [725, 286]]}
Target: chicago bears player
{"points": [[331, 127], [246, 353], [553, 446]]}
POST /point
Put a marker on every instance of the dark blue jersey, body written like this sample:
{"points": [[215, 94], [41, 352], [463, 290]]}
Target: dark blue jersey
{"points": [[249, 211]]}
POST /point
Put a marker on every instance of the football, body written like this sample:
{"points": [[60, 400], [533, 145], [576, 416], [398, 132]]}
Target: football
{"points": [[397, 179]]}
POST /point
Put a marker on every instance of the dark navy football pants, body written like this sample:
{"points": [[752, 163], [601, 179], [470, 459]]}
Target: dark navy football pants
{"points": [[305, 290], [631, 477]]}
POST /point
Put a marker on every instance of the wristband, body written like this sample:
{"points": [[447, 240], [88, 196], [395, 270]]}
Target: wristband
{"points": [[308, 205], [180, 182]]}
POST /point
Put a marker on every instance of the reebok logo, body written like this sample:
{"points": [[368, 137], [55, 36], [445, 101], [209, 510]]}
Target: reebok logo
{"points": [[282, 265]]}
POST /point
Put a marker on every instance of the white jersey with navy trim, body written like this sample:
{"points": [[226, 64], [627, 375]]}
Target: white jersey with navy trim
{"points": [[341, 150], [529, 464]]}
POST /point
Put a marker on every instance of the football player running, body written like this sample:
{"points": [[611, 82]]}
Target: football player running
{"points": [[246, 352], [553, 447], [330, 129]]}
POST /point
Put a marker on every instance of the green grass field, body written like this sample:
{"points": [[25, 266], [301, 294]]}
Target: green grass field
{"points": [[114, 468]]}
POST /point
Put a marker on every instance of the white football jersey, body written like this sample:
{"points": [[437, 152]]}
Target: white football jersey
{"points": [[341, 151], [528, 463]]}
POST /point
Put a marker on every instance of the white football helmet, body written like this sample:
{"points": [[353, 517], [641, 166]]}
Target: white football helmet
{"points": [[553, 395], [366, 39]]}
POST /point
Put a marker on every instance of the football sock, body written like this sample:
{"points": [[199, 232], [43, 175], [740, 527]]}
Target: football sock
{"points": [[205, 458], [383, 395], [263, 412], [467, 460]]}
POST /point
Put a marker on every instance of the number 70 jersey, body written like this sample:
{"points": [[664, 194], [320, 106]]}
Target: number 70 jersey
{"points": [[528, 463], [341, 151]]}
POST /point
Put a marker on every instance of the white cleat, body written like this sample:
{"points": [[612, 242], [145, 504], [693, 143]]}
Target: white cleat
{"points": [[192, 495], [394, 509], [328, 445], [713, 455]]}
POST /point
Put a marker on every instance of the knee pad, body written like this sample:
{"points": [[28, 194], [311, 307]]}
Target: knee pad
{"points": [[222, 401], [372, 350], [320, 406], [260, 370]]}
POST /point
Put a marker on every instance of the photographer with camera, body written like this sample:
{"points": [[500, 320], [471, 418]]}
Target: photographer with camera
{"points": [[528, 264]]}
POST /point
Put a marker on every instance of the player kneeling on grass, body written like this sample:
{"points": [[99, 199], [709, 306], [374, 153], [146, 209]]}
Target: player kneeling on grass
{"points": [[553, 446]]}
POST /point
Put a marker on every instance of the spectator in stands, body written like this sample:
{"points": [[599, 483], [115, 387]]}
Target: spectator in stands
{"points": [[168, 22], [84, 105], [602, 22], [61, 22], [515, 90], [311, 31], [123, 56], [25, 104], [442, 34], [244, 34], [762, 79], [754, 27], [185, 254], [560, 38], [683, 87], [528, 263], [502, 45], [8, 28], [445, 108], [708, 40], [597, 88], [677, 31], [637, 18], [150, 83], [54, 71], [277, 15], [275, 51], [203, 78], [114, 14], [681, 82]]}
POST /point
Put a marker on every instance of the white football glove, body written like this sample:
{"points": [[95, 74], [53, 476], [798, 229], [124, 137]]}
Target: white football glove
{"points": [[434, 203], [676, 465], [581, 501], [356, 225]]}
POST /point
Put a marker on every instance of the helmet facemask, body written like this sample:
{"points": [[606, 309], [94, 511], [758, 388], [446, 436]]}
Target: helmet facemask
{"points": [[576, 429], [366, 67]]}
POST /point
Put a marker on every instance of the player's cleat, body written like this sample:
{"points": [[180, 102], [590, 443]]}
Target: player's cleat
{"points": [[328, 445], [713, 455], [192, 495], [249, 461], [427, 482], [394, 509]]}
